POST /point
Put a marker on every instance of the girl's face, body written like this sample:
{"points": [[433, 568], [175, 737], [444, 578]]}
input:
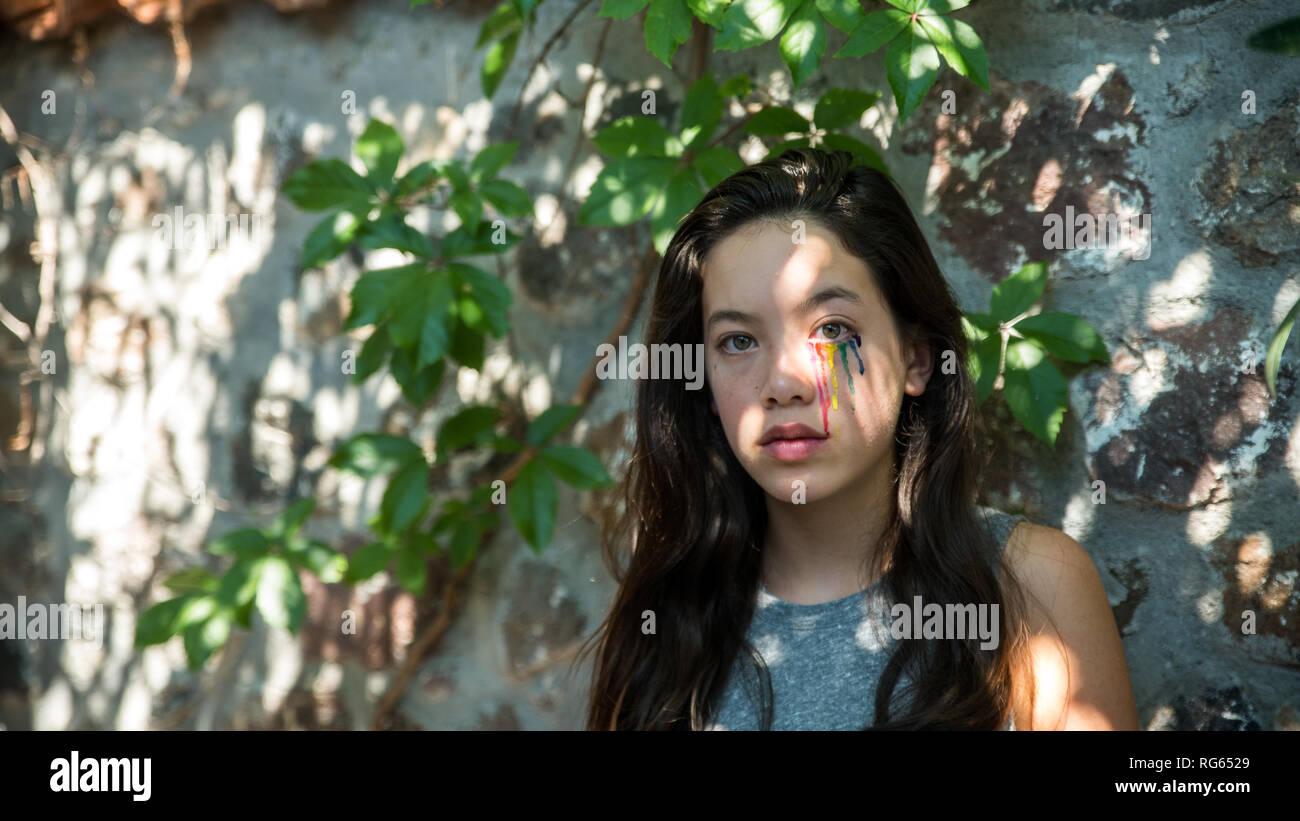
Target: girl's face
{"points": [[797, 333]]}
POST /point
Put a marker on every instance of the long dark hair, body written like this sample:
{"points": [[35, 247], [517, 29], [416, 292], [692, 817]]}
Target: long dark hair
{"points": [[697, 520]]}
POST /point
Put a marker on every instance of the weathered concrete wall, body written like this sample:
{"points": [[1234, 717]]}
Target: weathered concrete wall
{"points": [[197, 391]]}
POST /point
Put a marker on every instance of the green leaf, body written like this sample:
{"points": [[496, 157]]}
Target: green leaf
{"points": [[420, 177], [960, 46], [374, 292], [239, 584], [380, 147], [874, 31], [844, 15], [197, 610], [738, 85], [240, 544], [411, 571], [203, 638], [470, 426], [368, 561], [911, 65], [192, 580], [328, 183], [1064, 335], [406, 498], [701, 113], [1273, 359], [497, 62], [503, 20], [453, 512], [491, 294], [435, 332], [551, 421], [637, 135], [467, 346], [525, 7], [460, 242], [1018, 292], [482, 495], [324, 561], [370, 454], [1282, 37], [390, 230], [417, 385], [621, 9], [532, 504], [626, 190], [909, 6], [716, 164], [469, 314], [329, 238], [504, 444], [985, 359], [667, 26], [1035, 390], [974, 333], [843, 107], [488, 162], [709, 11], [776, 120], [942, 6], [279, 595], [422, 542], [749, 23], [160, 622], [464, 544], [507, 198], [576, 466], [293, 518], [982, 321], [804, 42], [458, 176], [682, 194], [469, 207], [863, 154], [411, 299]]}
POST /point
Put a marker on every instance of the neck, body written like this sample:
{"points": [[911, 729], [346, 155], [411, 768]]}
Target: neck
{"points": [[823, 550]]}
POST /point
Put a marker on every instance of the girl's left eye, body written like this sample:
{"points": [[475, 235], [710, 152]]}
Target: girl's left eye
{"points": [[842, 326]]}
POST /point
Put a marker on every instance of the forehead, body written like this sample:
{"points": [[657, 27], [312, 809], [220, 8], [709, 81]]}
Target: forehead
{"points": [[762, 262]]}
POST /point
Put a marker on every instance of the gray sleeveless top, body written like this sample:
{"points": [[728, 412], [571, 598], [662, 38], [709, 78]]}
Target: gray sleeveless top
{"points": [[824, 659]]}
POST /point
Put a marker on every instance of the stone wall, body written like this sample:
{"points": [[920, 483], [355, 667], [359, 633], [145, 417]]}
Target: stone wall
{"points": [[197, 391]]}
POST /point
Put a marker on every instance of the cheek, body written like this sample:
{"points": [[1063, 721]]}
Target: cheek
{"points": [[739, 414], [841, 374], [852, 380]]}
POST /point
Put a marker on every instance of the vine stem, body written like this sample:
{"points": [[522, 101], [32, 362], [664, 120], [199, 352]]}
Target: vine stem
{"points": [[541, 56]]}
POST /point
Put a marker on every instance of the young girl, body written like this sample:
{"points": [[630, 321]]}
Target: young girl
{"points": [[792, 523]]}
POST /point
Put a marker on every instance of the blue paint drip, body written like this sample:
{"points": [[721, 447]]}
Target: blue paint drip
{"points": [[855, 344], [843, 348]]}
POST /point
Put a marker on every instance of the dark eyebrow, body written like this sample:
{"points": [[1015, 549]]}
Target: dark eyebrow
{"points": [[807, 306]]}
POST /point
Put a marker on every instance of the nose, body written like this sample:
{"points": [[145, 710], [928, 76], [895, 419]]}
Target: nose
{"points": [[792, 374]]}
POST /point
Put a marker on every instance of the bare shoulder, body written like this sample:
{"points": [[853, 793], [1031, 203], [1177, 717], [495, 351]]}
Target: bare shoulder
{"points": [[1080, 677]]}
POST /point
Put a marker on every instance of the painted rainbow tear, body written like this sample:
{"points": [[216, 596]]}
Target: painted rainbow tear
{"points": [[823, 355]]}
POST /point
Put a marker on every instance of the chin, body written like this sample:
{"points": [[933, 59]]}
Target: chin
{"points": [[778, 482]]}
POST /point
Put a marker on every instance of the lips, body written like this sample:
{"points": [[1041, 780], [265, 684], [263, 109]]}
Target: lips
{"points": [[793, 430]]}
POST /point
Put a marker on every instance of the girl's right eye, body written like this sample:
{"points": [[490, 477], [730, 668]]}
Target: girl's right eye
{"points": [[722, 343]]}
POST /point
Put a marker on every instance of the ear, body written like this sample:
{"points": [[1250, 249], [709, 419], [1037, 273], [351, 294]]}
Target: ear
{"points": [[713, 406], [919, 358]]}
